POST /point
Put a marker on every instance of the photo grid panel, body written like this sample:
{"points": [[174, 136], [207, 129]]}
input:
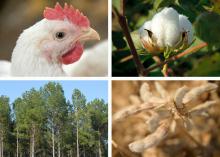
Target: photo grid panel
{"points": [[53, 118], [54, 78], [51, 39], [165, 78], [165, 118], [117, 78]]}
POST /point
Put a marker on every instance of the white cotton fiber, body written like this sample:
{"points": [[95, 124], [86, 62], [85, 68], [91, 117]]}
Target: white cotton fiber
{"points": [[157, 26], [186, 26], [143, 32], [146, 25], [167, 27]]}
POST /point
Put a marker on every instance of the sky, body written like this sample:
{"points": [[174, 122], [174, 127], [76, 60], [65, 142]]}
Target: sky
{"points": [[91, 89]]}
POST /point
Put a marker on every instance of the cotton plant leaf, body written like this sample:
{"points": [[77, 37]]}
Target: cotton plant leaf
{"points": [[214, 7], [116, 4], [162, 3], [207, 66], [137, 43], [118, 40], [208, 32]]}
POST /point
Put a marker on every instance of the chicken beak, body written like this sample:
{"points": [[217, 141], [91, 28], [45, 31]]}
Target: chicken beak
{"points": [[89, 34]]}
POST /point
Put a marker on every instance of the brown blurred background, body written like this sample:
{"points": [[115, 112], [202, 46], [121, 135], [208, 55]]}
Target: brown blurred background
{"points": [[17, 15]]}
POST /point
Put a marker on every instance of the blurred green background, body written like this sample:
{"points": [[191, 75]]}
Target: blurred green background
{"points": [[205, 16], [17, 15]]}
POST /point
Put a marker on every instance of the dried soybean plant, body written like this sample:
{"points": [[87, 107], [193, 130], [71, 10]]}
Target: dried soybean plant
{"points": [[166, 112]]}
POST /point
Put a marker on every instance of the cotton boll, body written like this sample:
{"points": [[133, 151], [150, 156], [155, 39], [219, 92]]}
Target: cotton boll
{"points": [[171, 27], [166, 30], [147, 38], [186, 26], [165, 27], [144, 33], [157, 27]]}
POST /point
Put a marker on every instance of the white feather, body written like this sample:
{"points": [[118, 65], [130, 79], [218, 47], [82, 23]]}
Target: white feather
{"points": [[5, 68], [94, 62], [27, 58]]}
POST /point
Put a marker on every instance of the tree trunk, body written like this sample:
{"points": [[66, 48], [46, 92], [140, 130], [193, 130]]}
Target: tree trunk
{"points": [[32, 142], [33, 145], [0, 143], [84, 153], [30, 145], [53, 142], [2, 146], [77, 136], [58, 149], [71, 153], [58, 143], [100, 149], [44, 153], [17, 148]]}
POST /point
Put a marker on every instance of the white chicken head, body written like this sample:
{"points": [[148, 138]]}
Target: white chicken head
{"points": [[67, 29], [55, 40]]}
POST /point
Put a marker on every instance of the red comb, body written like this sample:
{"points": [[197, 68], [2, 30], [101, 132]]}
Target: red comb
{"points": [[68, 12]]}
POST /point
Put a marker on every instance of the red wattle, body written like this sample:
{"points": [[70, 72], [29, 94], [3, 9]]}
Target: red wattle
{"points": [[73, 55]]}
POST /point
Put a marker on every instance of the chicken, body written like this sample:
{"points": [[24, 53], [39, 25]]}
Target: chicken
{"points": [[58, 39], [86, 66], [5, 67]]}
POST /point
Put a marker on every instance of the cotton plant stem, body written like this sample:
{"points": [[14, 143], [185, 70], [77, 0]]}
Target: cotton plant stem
{"points": [[192, 49], [174, 58], [156, 59], [115, 145], [123, 152], [124, 25], [164, 70], [122, 7], [191, 137], [125, 59]]}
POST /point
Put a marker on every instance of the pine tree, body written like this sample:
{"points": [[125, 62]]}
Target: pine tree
{"points": [[78, 106], [57, 111], [98, 112], [30, 116], [5, 122]]}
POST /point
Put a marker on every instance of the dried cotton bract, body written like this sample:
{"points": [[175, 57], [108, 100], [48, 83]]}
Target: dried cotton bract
{"points": [[165, 112], [167, 29]]}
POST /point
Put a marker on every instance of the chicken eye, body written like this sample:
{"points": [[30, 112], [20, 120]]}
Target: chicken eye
{"points": [[60, 35]]}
